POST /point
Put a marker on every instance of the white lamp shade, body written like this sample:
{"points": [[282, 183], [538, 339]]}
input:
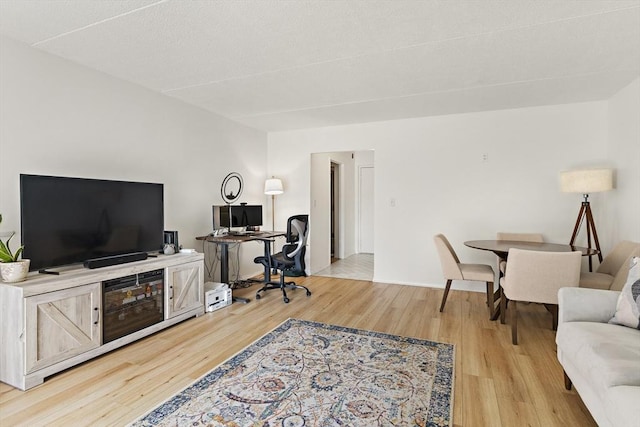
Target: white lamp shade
{"points": [[273, 186], [586, 181]]}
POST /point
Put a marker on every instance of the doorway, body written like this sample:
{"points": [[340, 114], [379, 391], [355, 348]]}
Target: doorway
{"points": [[335, 211], [342, 209]]}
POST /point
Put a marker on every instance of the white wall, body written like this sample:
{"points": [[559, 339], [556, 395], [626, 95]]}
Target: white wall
{"points": [[624, 154], [319, 217], [59, 118], [433, 168]]}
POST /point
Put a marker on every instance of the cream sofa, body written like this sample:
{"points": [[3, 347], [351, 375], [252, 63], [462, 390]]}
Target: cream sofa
{"points": [[600, 359]]}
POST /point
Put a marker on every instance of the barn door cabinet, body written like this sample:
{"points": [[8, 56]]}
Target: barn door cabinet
{"points": [[61, 324], [185, 288], [51, 323]]}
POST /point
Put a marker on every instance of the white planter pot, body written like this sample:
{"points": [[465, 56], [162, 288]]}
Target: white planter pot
{"points": [[12, 272]]}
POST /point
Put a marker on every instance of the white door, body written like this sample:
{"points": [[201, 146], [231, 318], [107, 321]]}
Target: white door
{"points": [[366, 210]]}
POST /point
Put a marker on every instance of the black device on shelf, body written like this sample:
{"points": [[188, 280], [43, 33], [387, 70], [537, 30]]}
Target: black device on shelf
{"points": [[227, 216], [73, 220], [171, 238], [115, 260]]}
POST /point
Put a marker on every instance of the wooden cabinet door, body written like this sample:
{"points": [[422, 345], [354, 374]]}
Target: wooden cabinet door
{"points": [[185, 288], [62, 324]]}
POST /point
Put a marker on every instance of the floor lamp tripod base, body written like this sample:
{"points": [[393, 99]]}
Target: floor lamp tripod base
{"points": [[586, 215]]}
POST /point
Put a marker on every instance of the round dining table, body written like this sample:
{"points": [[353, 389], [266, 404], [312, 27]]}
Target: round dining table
{"points": [[501, 247]]}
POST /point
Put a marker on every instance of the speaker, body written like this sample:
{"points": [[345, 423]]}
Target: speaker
{"points": [[115, 260], [171, 238]]}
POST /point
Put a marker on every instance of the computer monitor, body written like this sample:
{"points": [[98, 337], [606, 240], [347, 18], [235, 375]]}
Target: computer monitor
{"points": [[228, 216]]}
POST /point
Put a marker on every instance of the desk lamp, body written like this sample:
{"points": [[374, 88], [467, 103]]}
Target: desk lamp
{"points": [[272, 187], [586, 181]]}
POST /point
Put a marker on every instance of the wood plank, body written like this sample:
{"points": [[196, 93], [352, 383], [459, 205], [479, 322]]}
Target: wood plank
{"points": [[480, 402], [496, 383]]}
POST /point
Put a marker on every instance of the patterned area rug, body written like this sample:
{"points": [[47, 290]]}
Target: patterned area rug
{"points": [[312, 374]]}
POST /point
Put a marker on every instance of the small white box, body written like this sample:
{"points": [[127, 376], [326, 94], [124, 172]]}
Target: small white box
{"points": [[216, 295]]}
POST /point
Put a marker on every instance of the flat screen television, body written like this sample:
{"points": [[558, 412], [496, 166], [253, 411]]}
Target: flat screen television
{"points": [[227, 216], [70, 220]]}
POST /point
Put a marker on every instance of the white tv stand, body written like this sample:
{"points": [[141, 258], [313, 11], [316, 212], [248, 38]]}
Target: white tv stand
{"points": [[50, 323]]}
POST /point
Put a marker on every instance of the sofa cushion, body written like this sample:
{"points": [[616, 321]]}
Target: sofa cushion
{"points": [[611, 351], [621, 406], [595, 280], [628, 308]]}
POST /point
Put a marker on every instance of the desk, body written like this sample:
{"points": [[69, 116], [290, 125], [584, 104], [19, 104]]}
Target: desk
{"points": [[501, 249], [226, 240]]}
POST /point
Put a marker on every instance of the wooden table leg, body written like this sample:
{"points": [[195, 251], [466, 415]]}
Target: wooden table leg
{"points": [[495, 312]]}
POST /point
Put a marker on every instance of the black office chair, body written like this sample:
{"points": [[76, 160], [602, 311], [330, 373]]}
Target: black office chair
{"points": [[290, 261]]}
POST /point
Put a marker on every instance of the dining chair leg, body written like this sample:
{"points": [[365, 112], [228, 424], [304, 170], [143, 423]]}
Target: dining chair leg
{"points": [[490, 299], [446, 293], [489, 292], [503, 305], [553, 309], [567, 381], [514, 323]]}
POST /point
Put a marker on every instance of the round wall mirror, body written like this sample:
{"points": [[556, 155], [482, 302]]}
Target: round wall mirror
{"points": [[231, 188]]}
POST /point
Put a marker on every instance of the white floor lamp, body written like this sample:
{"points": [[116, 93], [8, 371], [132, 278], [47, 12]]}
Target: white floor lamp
{"points": [[272, 187], [586, 181]]}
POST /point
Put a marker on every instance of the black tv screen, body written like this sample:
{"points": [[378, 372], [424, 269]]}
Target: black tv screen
{"points": [[70, 220]]}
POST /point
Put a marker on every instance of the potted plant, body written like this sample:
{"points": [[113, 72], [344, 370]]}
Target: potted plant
{"points": [[12, 269]]}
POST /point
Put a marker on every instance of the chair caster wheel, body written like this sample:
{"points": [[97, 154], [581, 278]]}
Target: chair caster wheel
{"points": [[286, 300], [258, 296], [308, 293]]}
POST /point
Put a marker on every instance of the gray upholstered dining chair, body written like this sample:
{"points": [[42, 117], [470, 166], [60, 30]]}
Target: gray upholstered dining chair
{"points": [[612, 272], [453, 269], [520, 237], [536, 276]]}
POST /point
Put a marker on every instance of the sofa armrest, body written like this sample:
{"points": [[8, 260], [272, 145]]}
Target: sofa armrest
{"points": [[586, 305]]}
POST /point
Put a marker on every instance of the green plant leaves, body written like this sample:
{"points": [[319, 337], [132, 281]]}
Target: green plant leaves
{"points": [[5, 251]]}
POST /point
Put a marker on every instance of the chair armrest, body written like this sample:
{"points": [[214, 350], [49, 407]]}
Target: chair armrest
{"points": [[586, 305]]}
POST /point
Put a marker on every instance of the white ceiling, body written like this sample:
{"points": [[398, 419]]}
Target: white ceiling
{"points": [[279, 65]]}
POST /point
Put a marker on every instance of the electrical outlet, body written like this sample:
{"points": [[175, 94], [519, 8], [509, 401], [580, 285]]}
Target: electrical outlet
{"points": [[392, 202], [485, 157]]}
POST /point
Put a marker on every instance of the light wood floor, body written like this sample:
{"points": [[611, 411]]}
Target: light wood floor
{"points": [[496, 384]]}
